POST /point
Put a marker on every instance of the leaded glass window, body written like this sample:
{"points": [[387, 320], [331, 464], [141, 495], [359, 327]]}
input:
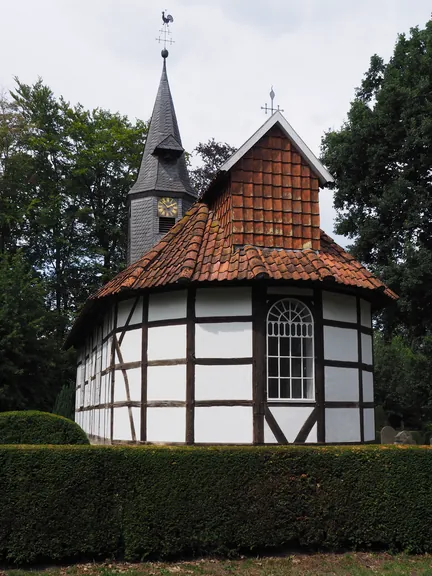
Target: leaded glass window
{"points": [[290, 351]]}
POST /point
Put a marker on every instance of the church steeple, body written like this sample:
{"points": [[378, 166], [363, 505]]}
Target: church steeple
{"points": [[163, 192]]}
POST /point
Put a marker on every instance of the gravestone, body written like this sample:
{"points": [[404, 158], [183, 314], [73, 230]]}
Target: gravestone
{"points": [[404, 437], [388, 435]]}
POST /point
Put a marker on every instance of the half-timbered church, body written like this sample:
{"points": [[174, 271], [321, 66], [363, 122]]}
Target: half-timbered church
{"points": [[238, 320]]}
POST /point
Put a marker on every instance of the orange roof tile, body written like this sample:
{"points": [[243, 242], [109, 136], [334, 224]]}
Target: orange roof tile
{"points": [[198, 249]]}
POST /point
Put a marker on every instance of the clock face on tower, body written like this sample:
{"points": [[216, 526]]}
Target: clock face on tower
{"points": [[167, 207]]}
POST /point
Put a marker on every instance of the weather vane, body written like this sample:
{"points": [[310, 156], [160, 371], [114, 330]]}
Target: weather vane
{"points": [[271, 109], [165, 33]]}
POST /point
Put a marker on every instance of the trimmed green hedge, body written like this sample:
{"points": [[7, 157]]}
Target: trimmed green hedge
{"points": [[33, 427], [63, 503]]}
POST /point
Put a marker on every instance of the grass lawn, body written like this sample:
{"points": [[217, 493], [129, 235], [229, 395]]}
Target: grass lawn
{"points": [[295, 565]]}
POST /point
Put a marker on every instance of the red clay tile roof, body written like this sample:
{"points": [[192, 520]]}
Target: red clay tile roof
{"points": [[273, 197], [198, 249]]}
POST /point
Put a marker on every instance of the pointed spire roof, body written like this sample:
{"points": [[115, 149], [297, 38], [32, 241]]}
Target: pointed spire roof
{"points": [[163, 166]]}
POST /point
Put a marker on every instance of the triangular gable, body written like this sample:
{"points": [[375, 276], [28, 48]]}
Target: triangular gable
{"points": [[278, 119]]}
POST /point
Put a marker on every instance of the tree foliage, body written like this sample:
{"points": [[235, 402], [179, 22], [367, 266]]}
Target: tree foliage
{"points": [[382, 161], [80, 167], [64, 177], [213, 154], [32, 362], [402, 381]]}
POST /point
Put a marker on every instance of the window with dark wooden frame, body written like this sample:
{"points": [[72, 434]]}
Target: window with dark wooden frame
{"points": [[290, 351]]}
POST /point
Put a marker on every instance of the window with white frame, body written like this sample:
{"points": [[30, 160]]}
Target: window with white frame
{"points": [[290, 351]]}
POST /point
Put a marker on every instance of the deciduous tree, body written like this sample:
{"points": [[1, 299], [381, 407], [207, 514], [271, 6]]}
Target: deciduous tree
{"points": [[382, 161], [213, 154]]}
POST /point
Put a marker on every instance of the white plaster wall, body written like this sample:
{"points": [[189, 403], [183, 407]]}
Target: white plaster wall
{"points": [[223, 382], [313, 435], [95, 422], [340, 344], [85, 420], [166, 424], [224, 424], [223, 302], [369, 424], [134, 380], [104, 359], [167, 305], [130, 346], [77, 401], [341, 384], [366, 342], [366, 313], [166, 383], [86, 395], [290, 419], [107, 433], [166, 342], [368, 390], [290, 291], [342, 425], [124, 309], [122, 427], [269, 437], [339, 307], [223, 340]]}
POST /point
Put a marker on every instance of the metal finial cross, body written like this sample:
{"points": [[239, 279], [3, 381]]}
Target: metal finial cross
{"points": [[165, 32], [272, 110]]}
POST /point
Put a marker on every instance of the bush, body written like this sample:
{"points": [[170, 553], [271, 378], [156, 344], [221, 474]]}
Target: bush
{"points": [[32, 427], [63, 503]]}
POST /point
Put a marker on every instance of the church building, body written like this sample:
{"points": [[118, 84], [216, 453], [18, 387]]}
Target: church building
{"points": [[238, 320]]}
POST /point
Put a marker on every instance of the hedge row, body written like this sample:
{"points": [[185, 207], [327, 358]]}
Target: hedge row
{"points": [[63, 503], [34, 427]]}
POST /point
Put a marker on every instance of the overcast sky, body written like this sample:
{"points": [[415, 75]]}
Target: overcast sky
{"points": [[226, 56]]}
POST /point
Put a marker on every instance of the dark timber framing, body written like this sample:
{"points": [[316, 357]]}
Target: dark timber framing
{"points": [[319, 364], [112, 361], [274, 426], [144, 364], [114, 311], [190, 366], [307, 427], [360, 370], [259, 376]]}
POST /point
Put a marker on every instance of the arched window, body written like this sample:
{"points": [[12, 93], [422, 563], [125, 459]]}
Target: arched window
{"points": [[290, 351]]}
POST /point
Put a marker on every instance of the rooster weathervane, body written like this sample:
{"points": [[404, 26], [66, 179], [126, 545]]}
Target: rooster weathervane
{"points": [[165, 33]]}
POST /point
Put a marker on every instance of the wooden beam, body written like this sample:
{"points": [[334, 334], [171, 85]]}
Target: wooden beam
{"points": [[126, 381], [128, 319], [274, 426], [172, 362], [259, 376], [307, 427], [319, 364], [165, 404], [223, 361], [144, 346], [204, 403], [190, 366], [360, 372], [114, 311]]}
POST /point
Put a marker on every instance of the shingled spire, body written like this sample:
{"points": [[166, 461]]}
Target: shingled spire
{"points": [[163, 179]]}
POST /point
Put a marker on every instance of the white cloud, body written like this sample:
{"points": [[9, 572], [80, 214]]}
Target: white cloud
{"points": [[227, 54]]}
